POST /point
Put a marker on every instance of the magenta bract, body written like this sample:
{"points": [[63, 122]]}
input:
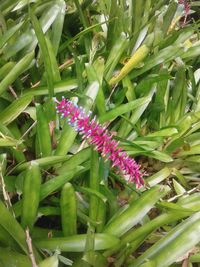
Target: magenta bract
{"points": [[100, 138]]}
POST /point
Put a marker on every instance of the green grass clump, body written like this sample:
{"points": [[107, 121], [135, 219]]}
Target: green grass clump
{"points": [[135, 65]]}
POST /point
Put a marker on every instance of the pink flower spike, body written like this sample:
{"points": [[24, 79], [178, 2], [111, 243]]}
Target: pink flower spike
{"points": [[101, 139]]}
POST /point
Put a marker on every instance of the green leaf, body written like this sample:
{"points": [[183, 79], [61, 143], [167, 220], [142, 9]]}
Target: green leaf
{"points": [[178, 188], [158, 177], [45, 52], [165, 54], [60, 87], [43, 132], [50, 261], [7, 141], [168, 17], [136, 211], [57, 26], [115, 55], [164, 132], [68, 208], [195, 258], [53, 185], [9, 34], [194, 150], [11, 258], [175, 244], [75, 160], [31, 195], [18, 69], [112, 114], [15, 109], [43, 162], [76, 243], [9, 223]]}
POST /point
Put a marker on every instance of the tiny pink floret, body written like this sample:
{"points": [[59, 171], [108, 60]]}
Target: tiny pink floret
{"points": [[97, 135]]}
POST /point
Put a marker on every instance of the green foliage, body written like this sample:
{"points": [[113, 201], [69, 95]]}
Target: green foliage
{"points": [[135, 64]]}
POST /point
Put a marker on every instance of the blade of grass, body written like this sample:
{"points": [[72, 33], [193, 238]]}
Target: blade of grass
{"points": [[136, 211], [177, 242], [76, 243], [44, 50], [15, 109], [18, 69]]}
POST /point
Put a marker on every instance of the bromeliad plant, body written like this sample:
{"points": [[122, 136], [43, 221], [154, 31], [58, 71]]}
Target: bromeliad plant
{"points": [[64, 201]]}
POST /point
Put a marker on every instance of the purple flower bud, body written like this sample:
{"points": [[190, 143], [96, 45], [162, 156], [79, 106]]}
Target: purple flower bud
{"points": [[101, 139]]}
